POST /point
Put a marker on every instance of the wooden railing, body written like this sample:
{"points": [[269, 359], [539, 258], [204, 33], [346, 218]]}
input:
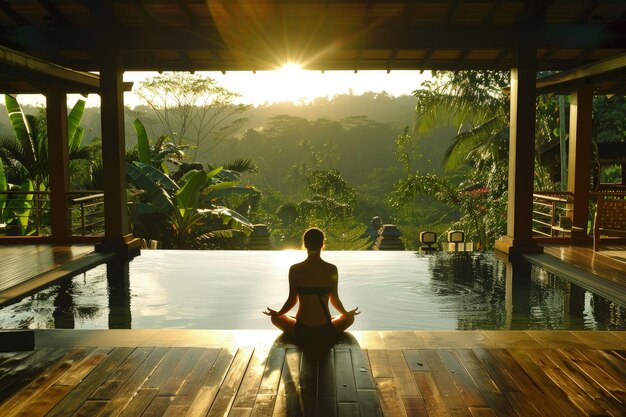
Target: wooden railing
{"points": [[548, 208], [27, 213]]}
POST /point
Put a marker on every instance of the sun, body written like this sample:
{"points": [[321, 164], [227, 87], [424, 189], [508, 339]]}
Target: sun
{"points": [[291, 69]]}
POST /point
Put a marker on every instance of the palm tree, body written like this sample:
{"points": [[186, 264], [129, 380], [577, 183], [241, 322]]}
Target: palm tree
{"points": [[473, 102]]}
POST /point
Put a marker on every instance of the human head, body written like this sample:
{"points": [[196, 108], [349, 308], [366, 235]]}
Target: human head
{"points": [[313, 239]]}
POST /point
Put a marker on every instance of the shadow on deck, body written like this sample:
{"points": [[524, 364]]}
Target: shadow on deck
{"points": [[243, 373]]}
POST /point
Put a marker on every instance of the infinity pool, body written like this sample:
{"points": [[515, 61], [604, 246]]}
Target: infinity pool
{"points": [[394, 291]]}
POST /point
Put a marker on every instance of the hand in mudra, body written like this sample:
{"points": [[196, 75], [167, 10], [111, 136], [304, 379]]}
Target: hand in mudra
{"points": [[353, 312], [270, 312]]}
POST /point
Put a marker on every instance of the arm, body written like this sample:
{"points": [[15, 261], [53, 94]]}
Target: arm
{"points": [[334, 297], [291, 298]]}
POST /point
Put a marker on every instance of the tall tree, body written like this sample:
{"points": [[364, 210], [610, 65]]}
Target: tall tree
{"points": [[193, 109]]}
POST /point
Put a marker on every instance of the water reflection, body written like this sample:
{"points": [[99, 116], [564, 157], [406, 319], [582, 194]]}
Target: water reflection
{"points": [[118, 280], [487, 293], [395, 291]]}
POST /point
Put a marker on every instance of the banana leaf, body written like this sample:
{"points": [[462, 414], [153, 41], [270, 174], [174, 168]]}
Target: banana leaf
{"points": [[3, 189], [187, 196], [74, 131], [228, 175], [143, 144], [17, 119], [18, 208], [218, 192], [156, 176], [155, 194], [229, 217]]}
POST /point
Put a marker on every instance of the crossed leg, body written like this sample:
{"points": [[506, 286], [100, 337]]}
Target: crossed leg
{"points": [[288, 323]]}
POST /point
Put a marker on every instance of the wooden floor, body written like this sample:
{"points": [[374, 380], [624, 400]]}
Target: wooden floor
{"points": [[609, 264], [28, 268], [238, 373]]}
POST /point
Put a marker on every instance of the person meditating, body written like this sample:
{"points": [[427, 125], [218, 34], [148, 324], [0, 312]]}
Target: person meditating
{"points": [[313, 282]]}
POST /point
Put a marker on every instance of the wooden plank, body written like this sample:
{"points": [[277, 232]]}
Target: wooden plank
{"points": [[247, 393], [449, 392], [263, 406], [89, 408], [308, 381], [575, 394], [271, 374], [430, 394], [242, 412], [158, 406], [132, 384], [75, 399], [179, 375], [176, 410], [379, 363], [414, 407], [137, 403], [535, 384], [32, 393], [369, 406], [162, 373], [83, 368], [469, 391], [362, 372], [390, 401], [290, 380], [402, 374], [28, 371], [488, 388], [606, 380], [41, 404], [414, 360], [228, 389], [113, 384], [326, 390], [603, 397], [210, 386], [344, 376], [326, 384], [503, 380], [189, 389], [348, 409], [482, 412]]}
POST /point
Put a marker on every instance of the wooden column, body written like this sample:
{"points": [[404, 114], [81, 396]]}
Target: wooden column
{"points": [[521, 155], [58, 163], [579, 156], [116, 231]]}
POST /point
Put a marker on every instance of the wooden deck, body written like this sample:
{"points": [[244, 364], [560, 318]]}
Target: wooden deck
{"points": [[239, 373], [602, 272], [29, 268]]}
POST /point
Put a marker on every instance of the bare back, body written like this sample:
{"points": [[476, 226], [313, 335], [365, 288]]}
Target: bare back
{"points": [[313, 273]]}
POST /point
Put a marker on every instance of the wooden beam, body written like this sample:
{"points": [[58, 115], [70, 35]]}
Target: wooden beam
{"points": [[565, 78], [444, 36], [29, 64], [54, 12], [58, 162], [15, 16], [579, 158], [518, 237]]}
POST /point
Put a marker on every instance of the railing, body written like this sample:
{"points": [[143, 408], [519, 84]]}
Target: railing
{"points": [[28, 213], [548, 208], [86, 213]]}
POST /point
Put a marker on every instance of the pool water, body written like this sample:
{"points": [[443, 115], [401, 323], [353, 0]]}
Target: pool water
{"points": [[394, 291]]}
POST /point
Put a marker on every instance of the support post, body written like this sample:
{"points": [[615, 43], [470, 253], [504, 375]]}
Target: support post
{"points": [[116, 231], [58, 163], [521, 154], [579, 167]]}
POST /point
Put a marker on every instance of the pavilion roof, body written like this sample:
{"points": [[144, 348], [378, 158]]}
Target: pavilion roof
{"points": [[230, 35]]}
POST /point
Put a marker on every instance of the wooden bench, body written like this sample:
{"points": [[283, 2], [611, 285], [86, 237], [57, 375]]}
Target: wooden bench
{"points": [[609, 220]]}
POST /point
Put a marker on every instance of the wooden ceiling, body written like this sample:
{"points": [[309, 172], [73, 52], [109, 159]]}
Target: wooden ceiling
{"points": [[231, 35]]}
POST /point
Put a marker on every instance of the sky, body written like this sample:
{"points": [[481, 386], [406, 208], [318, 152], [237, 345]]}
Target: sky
{"points": [[287, 84]]}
